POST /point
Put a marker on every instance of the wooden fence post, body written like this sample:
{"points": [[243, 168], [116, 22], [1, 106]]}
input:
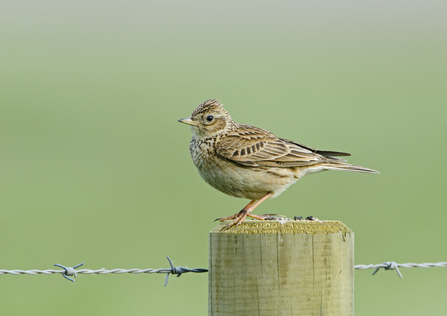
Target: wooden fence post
{"points": [[281, 268]]}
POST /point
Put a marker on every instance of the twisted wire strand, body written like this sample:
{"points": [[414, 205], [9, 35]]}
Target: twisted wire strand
{"points": [[402, 265], [70, 271], [88, 271], [391, 265]]}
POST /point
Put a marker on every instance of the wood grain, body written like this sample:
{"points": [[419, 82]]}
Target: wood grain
{"points": [[281, 268]]}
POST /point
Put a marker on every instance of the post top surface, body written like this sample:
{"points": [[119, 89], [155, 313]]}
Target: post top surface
{"points": [[284, 227]]}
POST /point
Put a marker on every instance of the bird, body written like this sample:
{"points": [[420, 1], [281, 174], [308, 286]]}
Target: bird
{"points": [[249, 162]]}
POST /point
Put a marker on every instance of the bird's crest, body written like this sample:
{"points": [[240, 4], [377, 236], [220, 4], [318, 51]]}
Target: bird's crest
{"points": [[212, 104]]}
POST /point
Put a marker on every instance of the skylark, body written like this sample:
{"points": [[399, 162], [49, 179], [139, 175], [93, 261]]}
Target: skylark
{"points": [[249, 162]]}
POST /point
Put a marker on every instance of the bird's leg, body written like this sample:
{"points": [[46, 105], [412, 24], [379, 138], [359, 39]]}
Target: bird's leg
{"points": [[239, 217]]}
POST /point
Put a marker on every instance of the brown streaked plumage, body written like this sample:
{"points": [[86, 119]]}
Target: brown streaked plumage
{"points": [[249, 162]]}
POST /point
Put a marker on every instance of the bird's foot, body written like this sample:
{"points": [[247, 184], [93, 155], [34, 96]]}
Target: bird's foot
{"points": [[239, 217], [221, 219]]}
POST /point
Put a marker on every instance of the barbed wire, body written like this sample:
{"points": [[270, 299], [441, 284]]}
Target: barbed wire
{"points": [[70, 271], [391, 265]]}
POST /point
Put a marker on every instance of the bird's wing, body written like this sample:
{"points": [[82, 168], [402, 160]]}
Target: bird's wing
{"points": [[326, 153], [253, 146]]}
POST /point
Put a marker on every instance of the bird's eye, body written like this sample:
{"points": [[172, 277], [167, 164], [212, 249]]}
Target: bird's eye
{"points": [[209, 118]]}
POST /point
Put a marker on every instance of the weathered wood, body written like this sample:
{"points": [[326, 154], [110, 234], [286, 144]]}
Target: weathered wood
{"points": [[281, 268]]}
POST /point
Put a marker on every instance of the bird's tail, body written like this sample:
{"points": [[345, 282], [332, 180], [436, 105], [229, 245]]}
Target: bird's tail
{"points": [[347, 167]]}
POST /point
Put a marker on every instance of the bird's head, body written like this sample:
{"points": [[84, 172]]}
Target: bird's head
{"points": [[208, 119]]}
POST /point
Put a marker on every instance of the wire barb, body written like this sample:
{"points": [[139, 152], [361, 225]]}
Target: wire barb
{"points": [[389, 266], [179, 270], [69, 271]]}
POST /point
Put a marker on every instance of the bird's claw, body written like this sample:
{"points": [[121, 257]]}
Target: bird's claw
{"points": [[237, 218], [226, 227]]}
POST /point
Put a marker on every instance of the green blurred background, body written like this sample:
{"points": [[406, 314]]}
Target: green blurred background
{"points": [[95, 167]]}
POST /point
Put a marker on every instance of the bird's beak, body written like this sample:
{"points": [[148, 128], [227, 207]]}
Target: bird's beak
{"points": [[188, 121]]}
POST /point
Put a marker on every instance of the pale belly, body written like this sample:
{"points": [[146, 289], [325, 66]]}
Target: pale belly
{"points": [[245, 182]]}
